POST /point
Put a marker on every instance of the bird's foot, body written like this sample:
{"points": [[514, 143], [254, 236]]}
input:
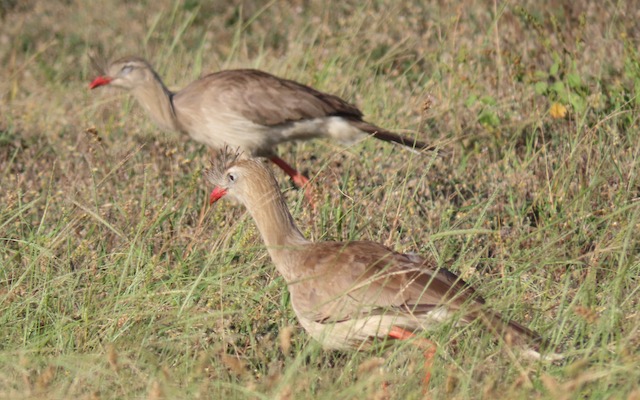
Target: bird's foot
{"points": [[425, 344], [301, 181]]}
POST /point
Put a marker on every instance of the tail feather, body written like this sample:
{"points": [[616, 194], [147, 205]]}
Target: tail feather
{"points": [[387, 136], [519, 335], [513, 331]]}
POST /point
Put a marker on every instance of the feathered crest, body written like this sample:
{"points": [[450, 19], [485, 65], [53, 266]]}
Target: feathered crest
{"points": [[99, 61], [225, 158]]}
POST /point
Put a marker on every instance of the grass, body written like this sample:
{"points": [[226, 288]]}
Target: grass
{"points": [[117, 281]]}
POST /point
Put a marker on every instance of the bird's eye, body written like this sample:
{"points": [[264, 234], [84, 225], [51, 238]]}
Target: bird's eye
{"points": [[231, 177], [126, 69]]}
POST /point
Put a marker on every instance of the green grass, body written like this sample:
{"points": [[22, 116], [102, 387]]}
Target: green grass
{"points": [[117, 281]]}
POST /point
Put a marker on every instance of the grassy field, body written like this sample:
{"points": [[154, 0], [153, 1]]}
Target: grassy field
{"points": [[119, 281]]}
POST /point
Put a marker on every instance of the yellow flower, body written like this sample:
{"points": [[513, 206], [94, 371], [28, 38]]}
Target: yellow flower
{"points": [[557, 110]]}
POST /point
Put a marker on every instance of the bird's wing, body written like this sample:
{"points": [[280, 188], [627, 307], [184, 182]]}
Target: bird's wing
{"points": [[265, 99], [346, 280]]}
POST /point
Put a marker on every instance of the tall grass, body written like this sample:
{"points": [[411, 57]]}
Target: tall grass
{"points": [[118, 281]]}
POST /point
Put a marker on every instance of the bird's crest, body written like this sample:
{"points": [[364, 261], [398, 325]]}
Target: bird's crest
{"points": [[98, 62], [225, 158]]}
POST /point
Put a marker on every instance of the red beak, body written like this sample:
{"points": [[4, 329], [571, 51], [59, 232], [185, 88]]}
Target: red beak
{"points": [[217, 194], [100, 81]]}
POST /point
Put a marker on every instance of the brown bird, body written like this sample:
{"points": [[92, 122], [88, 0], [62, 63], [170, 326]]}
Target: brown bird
{"points": [[346, 294], [245, 109]]}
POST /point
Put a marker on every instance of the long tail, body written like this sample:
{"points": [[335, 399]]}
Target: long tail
{"points": [[519, 335], [387, 136]]}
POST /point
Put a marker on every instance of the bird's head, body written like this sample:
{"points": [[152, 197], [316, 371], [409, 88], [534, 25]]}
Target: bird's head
{"points": [[243, 179], [125, 73]]}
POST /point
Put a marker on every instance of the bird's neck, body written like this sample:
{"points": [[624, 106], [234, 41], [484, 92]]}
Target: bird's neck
{"points": [[156, 99], [281, 236]]}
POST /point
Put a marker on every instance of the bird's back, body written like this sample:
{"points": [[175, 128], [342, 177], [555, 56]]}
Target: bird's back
{"points": [[346, 294], [254, 110], [363, 277]]}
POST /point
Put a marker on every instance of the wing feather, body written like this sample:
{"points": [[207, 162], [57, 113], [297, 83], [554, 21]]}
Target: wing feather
{"points": [[359, 278], [265, 99]]}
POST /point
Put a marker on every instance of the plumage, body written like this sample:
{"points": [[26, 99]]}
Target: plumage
{"points": [[345, 294], [245, 109]]}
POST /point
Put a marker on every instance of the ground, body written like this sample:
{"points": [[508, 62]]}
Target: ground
{"points": [[119, 281]]}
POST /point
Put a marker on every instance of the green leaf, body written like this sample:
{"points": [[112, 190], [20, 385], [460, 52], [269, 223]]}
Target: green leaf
{"points": [[578, 103], [574, 80], [488, 117], [559, 90], [540, 75], [471, 100], [488, 100], [541, 87], [554, 68]]}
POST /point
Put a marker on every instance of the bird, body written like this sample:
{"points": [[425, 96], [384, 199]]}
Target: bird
{"points": [[247, 109], [348, 295]]}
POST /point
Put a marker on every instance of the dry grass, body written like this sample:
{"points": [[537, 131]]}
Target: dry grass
{"points": [[118, 282]]}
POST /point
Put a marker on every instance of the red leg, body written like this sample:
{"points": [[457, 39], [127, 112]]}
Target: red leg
{"points": [[428, 346], [298, 179]]}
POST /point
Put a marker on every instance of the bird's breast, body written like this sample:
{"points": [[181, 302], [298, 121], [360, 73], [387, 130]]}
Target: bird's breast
{"points": [[217, 130]]}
